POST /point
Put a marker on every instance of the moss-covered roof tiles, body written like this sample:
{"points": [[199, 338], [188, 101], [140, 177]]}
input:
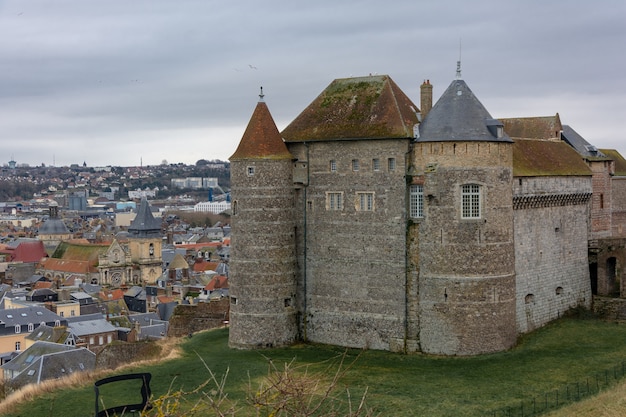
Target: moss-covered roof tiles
{"points": [[620, 162], [535, 158], [548, 127], [371, 107]]}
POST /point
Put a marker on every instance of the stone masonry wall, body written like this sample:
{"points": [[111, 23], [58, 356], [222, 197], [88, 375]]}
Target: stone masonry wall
{"points": [[466, 266], [353, 261], [262, 274], [551, 236], [618, 206]]}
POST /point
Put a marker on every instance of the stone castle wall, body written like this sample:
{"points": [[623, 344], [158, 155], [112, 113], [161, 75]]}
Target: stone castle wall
{"points": [[551, 226], [263, 264], [353, 268], [466, 266]]}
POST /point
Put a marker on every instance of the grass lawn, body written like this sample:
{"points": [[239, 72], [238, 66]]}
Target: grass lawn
{"points": [[561, 353]]}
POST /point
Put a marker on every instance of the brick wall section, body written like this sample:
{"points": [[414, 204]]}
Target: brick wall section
{"points": [[263, 264], [618, 206], [355, 260], [601, 202], [466, 271]]}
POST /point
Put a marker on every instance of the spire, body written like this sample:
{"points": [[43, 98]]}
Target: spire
{"points": [[261, 95], [261, 140], [144, 224]]}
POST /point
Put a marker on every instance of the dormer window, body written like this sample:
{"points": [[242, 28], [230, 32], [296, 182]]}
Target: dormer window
{"points": [[496, 128], [499, 131]]}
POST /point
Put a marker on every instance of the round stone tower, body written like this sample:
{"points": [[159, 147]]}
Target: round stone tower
{"points": [[463, 162], [262, 276]]}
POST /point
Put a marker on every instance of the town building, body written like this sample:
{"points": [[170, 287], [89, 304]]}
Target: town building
{"points": [[369, 223]]}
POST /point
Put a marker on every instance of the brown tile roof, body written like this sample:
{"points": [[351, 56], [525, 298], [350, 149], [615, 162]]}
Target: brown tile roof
{"points": [[63, 265], [620, 162], [370, 107], [536, 158], [261, 140], [548, 127], [218, 281], [205, 266]]}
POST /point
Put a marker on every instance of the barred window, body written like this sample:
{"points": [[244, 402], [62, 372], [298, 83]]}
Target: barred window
{"points": [[334, 200], [365, 201], [416, 201], [355, 165], [376, 164], [391, 164], [470, 201], [333, 165]]}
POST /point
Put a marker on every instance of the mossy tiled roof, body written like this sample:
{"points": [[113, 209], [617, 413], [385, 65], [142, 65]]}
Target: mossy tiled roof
{"points": [[620, 162], [548, 127], [80, 252], [536, 158], [261, 139], [371, 107]]}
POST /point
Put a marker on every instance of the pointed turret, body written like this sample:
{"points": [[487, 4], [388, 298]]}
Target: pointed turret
{"points": [[263, 260]]}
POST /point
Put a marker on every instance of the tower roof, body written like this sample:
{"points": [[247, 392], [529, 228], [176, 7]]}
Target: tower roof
{"points": [[459, 116], [144, 224], [371, 107], [261, 140]]}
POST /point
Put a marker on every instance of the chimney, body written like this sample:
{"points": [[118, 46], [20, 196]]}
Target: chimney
{"points": [[426, 98]]}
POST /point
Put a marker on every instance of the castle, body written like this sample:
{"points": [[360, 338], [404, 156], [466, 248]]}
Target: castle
{"points": [[370, 223]]}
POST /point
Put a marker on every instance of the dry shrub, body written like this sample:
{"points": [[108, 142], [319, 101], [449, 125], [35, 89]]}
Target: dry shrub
{"points": [[290, 391]]}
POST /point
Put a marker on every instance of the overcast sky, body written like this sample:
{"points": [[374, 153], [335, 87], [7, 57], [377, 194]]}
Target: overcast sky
{"points": [[119, 82]]}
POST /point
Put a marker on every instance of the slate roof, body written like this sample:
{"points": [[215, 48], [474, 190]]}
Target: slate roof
{"points": [[371, 107], [53, 226], [87, 327], [45, 360], [26, 315], [581, 145], [459, 116], [178, 262], [144, 224], [535, 158], [46, 333], [261, 139], [546, 127]]}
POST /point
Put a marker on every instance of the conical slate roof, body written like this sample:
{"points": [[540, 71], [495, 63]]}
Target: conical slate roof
{"points": [[144, 224], [261, 140], [371, 107], [459, 116]]}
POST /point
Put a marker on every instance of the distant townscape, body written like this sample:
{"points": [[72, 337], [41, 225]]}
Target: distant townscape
{"points": [[87, 263], [372, 222]]}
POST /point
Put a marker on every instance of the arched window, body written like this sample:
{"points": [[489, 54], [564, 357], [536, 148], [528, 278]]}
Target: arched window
{"points": [[530, 298], [31, 327]]}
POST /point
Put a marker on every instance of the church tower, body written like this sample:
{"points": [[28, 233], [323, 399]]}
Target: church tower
{"points": [[144, 243], [262, 273], [462, 172]]}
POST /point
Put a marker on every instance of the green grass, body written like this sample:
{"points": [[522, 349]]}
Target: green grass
{"points": [[566, 351]]}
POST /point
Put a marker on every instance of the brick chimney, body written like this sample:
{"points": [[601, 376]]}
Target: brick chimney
{"points": [[426, 98]]}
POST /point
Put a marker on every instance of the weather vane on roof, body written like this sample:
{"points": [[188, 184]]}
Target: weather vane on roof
{"points": [[458, 63]]}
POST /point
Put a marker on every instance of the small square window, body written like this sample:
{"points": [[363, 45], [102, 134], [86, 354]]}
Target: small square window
{"points": [[250, 171], [391, 164], [376, 164], [355, 165], [333, 165]]}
